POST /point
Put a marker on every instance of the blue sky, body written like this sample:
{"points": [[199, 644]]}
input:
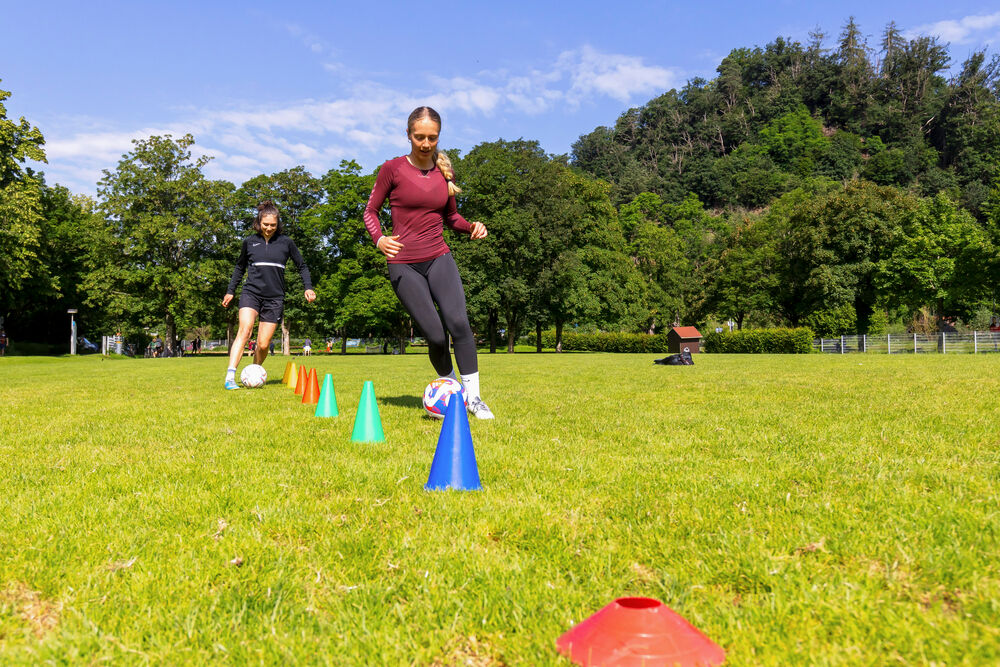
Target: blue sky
{"points": [[267, 86]]}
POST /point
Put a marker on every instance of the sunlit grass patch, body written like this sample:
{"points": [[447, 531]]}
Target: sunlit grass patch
{"points": [[823, 510]]}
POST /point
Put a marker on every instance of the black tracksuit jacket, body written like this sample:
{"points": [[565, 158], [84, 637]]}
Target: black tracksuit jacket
{"points": [[267, 260]]}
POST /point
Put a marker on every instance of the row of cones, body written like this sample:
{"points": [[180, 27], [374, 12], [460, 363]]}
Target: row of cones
{"points": [[628, 632], [306, 384], [367, 422], [454, 465]]}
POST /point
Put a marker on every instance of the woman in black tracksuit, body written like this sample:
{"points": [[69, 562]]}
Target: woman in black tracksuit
{"points": [[263, 295]]}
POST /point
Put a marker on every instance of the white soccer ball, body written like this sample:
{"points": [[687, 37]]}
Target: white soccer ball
{"points": [[437, 394], [253, 376]]}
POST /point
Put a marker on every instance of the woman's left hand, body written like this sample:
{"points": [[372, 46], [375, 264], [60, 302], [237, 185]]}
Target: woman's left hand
{"points": [[478, 231], [310, 295]]}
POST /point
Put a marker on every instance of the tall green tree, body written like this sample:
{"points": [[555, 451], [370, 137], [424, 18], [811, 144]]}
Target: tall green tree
{"points": [[942, 261], [581, 234], [834, 246], [743, 278], [68, 225], [658, 253], [164, 226], [20, 212], [505, 185]]}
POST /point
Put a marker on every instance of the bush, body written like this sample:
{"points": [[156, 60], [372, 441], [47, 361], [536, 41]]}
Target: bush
{"points": [[761, 341], [831, 322], [878, 325], [607, 342]]}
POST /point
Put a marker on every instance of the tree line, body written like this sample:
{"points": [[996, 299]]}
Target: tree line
{"points": [[851, 189]]}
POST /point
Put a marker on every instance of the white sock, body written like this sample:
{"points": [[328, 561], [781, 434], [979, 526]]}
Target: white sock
{"points": [[471, 382], [230, 375]]}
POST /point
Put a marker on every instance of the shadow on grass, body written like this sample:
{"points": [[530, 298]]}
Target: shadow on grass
{"points": [[402, 401]]}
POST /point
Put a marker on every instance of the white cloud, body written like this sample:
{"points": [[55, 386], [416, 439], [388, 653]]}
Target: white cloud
{"points": [[982, 27], [616, 76], [366, 120]]}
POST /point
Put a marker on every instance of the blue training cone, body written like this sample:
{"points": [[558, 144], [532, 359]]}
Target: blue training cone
{"points": [[454, 464]]}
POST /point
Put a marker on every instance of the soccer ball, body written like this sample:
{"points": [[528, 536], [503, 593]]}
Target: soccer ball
{"points": [[253, 376], [437, 393]]}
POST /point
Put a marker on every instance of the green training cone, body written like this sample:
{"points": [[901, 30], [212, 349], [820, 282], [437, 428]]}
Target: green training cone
{"points": [[367, 423], [327, 406]]}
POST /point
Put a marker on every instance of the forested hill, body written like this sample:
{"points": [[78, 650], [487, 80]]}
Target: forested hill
{"points": [[777, 116]]}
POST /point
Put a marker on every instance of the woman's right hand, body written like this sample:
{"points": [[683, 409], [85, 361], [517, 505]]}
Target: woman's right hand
{"points": [[389, 246], [226, 299]]}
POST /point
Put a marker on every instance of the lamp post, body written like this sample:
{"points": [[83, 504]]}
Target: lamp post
{"points": [[72, 331]]}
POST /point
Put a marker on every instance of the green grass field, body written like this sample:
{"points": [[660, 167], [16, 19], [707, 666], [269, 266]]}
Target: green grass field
{"points": [[835, 510]]}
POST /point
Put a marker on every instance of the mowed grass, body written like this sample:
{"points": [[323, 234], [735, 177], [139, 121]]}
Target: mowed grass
{"points": [[829, 510]]}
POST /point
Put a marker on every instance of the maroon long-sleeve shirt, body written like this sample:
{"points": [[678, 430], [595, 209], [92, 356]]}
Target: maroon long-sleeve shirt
{"points": [[420, 207]]}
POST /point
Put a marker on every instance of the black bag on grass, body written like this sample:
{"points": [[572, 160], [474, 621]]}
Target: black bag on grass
{"points": [[682, 359]]}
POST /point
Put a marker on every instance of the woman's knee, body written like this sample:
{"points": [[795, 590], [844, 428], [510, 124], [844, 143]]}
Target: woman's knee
{"points": [[460, 329], [436, 339], [264, 337]]}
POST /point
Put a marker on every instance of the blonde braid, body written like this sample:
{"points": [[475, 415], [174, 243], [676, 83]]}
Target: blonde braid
{"points": [[444, 164]]}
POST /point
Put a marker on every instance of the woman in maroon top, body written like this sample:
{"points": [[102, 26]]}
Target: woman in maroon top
{"points": [[421, 192]]}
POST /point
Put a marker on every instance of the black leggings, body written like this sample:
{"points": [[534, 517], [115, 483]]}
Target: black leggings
{"points": [[419, 286]]}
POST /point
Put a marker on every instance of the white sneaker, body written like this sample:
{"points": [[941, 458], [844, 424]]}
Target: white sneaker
{"points": [[479, 409]]}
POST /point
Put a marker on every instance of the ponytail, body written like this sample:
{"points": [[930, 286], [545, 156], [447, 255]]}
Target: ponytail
{"points": [[444, 165]]}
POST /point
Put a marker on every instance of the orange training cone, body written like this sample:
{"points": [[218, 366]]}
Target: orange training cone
{"points": [[300, 384], [293, 376], [638, 631], [311, 394], [288, 370]]}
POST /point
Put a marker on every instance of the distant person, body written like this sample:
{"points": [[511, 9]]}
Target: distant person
{"points": [[307, 348], [196, 346], [251, 346], [3, 343], [421, 191], [329, 346], [266, 253]]}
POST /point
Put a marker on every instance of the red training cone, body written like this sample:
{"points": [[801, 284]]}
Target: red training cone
{"points": [[638, 631], [300, 384], [311, 394]]}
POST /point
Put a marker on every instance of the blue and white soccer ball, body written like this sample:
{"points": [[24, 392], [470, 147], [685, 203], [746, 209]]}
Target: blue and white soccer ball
{"points": [[253, 376], [438, 393]]}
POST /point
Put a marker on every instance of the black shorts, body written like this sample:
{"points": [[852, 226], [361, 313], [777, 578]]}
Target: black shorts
{"points": [[269, 310]]}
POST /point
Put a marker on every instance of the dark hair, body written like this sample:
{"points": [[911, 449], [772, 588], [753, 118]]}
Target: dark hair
{"points": [[422, 112], [267, 207]]}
